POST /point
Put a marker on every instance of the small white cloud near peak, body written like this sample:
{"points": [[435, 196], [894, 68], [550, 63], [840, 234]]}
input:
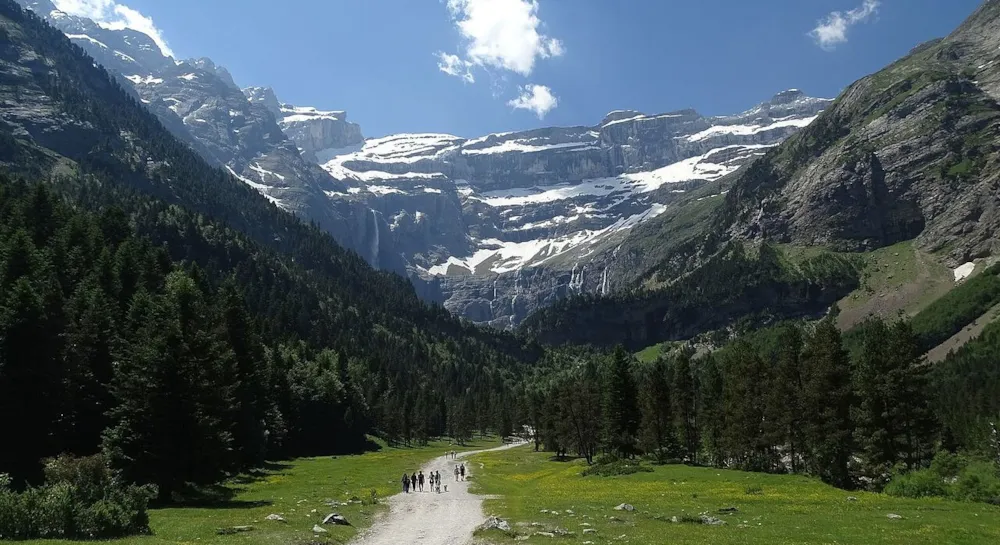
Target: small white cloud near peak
{"points": [[831, 31], [112, 15], [453, 65], [503, 34], [535, 98]]}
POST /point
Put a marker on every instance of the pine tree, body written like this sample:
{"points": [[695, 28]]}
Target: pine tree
{"points": [[250, 400], [744, 398], [657, 431], [621, 415], [711, 408], [170, 423], [827, 399], [29, 383], [91, 341], [784, 406], [686, 407]]}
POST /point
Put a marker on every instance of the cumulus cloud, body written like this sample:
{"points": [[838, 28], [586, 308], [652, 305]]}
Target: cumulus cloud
{"points": [[535, 98], [503, 34], [453, 65], [112, 15], [503, 37], [831, 31]]}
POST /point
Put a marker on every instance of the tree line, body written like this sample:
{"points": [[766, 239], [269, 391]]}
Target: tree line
{"points": [[791, 399]]}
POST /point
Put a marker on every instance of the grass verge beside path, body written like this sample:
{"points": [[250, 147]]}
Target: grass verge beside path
{"points": [[773, 509], [297, 490]]}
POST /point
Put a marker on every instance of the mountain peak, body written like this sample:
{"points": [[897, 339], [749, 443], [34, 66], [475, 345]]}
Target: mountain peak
{"points": [[786, 97], [618, 115]]}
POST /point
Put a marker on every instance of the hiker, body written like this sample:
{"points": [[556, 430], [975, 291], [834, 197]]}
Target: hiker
{"points": [[456, 473], [463, 472], [437, 481], [413, 482], [406, 483], [421, 481]]}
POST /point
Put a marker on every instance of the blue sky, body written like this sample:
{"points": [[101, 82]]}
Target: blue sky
{"points": [[571, 60]]}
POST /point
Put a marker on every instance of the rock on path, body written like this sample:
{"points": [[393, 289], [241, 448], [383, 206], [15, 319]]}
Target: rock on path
{"points": [[429, 518]]}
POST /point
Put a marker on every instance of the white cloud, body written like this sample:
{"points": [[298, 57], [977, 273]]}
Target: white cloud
{"points": [[453, 65], [112, 15], [536, 98], [503, 34], [831, 31]]}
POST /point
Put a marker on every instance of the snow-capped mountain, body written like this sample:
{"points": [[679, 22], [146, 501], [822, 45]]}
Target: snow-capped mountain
{"points": [[506, 223], [493, 227]]}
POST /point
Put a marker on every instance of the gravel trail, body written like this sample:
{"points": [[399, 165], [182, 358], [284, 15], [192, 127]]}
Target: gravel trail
{"points": [[428, 518]]}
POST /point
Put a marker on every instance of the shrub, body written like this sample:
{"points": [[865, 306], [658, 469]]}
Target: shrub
{"points": [[916, 484], [81, 499], [950, 476], [979, 481]]}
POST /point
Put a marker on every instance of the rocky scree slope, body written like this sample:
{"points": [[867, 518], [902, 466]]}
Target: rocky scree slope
{"points": [[909, 153]]}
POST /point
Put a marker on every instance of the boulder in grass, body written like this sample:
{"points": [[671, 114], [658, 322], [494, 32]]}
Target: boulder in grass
{"points": [[894, 516], [233, 530], [275, 517], [624, 507], [317, 529], [336, 518], [495, 523]]}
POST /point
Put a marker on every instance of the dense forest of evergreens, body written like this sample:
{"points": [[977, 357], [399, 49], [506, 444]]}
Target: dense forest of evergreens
{"points": [[785, 399]]}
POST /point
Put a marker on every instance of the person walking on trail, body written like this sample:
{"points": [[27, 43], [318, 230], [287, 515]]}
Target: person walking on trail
{"points": [[420, 479], [413, 482], [456, 473], [462, 470], [437, 480], [406, 483]]}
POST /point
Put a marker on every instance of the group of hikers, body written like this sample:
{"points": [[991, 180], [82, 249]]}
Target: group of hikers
{"points": [[416, 481]]}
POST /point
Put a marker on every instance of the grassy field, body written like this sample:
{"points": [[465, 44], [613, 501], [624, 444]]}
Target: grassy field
{"points": [[299, 491], [772, 509], [895, 279]]}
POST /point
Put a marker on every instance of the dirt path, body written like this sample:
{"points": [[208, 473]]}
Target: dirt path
{"points": [[428, 518]]}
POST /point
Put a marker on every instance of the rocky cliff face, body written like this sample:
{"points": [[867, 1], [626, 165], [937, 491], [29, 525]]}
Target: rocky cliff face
{"points": [[908, 153], [508, 223]]}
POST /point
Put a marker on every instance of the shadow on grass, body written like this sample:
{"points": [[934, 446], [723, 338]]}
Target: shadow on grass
{"points": [[564, 459], [212, 497]]}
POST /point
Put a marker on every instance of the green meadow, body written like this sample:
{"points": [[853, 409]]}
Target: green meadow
{"points": [[536, 494], [298, 490]]}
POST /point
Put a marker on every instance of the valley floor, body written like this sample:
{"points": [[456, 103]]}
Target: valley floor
{"points": [[536, 494], [300, 492]]}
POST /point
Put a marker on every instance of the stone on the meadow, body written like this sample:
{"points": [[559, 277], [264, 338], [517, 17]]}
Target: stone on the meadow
{"points": [[894, 516], [852, 498], [275, 517], [728, 510], [545, 534], [496, 523], [317, 529], [589, 531], [624, 507], [712, 521], [336, 518], [233, 530]]}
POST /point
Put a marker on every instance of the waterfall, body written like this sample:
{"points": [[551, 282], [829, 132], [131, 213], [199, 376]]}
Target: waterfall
{"points": [[604, 282], [375, 239]]}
